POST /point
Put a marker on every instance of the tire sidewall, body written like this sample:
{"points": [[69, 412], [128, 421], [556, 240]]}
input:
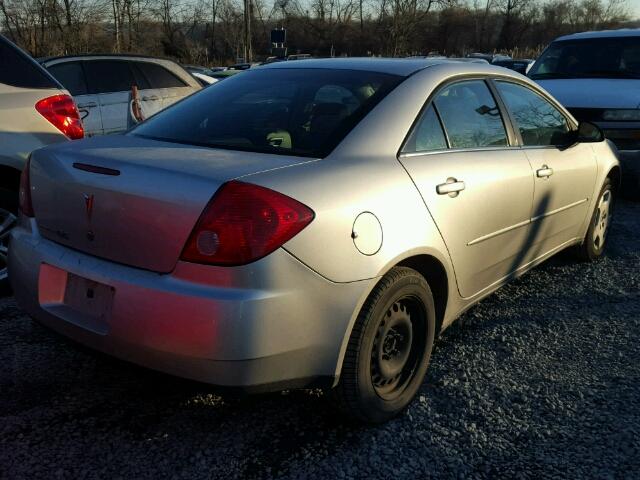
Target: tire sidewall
{"points": [[381, 409], [590, 249]]}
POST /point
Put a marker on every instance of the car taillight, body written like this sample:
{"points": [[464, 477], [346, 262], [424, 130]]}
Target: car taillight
{"points": [[62, 113], [243, 223], [24, 196]]}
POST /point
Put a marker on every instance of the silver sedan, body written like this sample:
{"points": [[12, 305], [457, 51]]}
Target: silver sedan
{"points": [[312, 223]]}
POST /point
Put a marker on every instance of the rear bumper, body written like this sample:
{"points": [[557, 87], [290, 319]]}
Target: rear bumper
{"points": [[268, 325]]}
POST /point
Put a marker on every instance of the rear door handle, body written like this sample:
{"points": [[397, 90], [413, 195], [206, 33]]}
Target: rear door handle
{"points": [[452, 188], [87, 105], [544, 172], [150, 97]]}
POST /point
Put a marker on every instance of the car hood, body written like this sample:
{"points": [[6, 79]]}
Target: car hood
{"points": [[594, 92]]}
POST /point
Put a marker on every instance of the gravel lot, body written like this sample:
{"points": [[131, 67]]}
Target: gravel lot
{"points": [[542, 379]]}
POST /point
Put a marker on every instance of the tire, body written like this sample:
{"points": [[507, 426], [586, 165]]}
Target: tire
{"points": [[594, 242], [389, 349], [8, 213]]}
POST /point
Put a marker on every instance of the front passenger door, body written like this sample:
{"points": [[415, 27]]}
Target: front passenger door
{"points": [[477, 187], [564, 175]]}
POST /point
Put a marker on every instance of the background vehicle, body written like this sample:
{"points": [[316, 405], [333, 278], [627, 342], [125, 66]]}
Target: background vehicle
{"points": [[35, 111], [101, 86], [202, 74], [596, 75], [519, 65], [309, 223]]}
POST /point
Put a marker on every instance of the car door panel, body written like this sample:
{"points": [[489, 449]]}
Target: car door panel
{"points": [[486, 226], [89, 108], [112, 81], [478, 189], [568, 190], [564, 175], [114, 111], [165, 88]]}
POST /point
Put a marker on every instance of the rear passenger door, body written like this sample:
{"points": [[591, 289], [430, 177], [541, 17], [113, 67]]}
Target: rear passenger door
{"points": [[111, 82], [476, 182], [164, 85], [71, 76]]}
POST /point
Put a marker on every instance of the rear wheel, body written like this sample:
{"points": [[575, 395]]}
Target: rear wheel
{"points": [[389, 348], [8, 218], [594, 241]]}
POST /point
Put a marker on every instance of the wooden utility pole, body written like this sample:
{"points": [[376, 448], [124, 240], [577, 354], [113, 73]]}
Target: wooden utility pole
{"points": [[248, 54]]}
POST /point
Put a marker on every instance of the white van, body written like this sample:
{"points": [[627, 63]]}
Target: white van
{"points": [[101, 86]]}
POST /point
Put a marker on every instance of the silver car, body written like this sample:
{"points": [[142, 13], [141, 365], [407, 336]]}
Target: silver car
{"points": [[311, 223]]}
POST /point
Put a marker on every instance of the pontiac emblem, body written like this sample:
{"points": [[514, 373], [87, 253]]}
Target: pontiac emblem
{"points": [[88, 203]]}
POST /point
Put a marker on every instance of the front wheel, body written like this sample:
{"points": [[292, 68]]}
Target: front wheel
{"points": [[389, 348], [594, 242]]}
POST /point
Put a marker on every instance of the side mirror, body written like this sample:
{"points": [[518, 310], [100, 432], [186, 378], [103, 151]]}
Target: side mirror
{"points": [[589, 133]]}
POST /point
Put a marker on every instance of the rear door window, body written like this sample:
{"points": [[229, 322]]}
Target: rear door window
{"points": [[159, 77], [19, 70], [470, 115], [427, 135], [71, 76], [108, 76]]}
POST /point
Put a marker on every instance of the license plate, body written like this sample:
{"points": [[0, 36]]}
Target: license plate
{"points": [[88, 297], [78, 300]]}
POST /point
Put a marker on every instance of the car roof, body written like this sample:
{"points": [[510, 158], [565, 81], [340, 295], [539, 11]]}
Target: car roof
{"points": [[623, 32], [395, 66]]}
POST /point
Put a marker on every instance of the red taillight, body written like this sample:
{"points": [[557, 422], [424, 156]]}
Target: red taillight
{"points": [[24, 196], [244, 222], [61, 111]]}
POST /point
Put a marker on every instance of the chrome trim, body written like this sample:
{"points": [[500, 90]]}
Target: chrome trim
{"points": [[459, 150], [498, 232], [558, 210], [525, 223]]}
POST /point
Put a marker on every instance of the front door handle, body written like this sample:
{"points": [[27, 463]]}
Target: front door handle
{"points": [[150, 97], [544, 172], [452, 188], [87, 105]]}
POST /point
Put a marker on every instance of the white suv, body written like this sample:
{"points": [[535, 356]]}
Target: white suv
{"points": [[101, 86], [35, 110]]}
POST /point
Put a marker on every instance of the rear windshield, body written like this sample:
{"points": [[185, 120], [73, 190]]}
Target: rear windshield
{"points": [[590, 58], [304, 112], [19, 70]]}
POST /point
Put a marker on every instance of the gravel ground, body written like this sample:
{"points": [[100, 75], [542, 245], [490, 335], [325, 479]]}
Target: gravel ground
{"points": [[541, 380]]}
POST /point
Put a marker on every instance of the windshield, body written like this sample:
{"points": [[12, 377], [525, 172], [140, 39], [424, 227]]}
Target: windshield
{"points": [[590, 58], [304, 112]]}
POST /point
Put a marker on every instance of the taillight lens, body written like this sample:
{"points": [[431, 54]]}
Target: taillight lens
{"points": [[62, 113], [243, 223], [24, 196]]}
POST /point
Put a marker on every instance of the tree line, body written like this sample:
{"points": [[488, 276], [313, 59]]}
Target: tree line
{"points": [[211, 32]]}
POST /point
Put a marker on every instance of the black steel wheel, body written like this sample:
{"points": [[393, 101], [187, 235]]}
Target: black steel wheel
{"points": [[389, 348]]}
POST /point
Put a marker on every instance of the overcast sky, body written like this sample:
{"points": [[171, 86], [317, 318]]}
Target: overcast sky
{"points": [[635, 8]]}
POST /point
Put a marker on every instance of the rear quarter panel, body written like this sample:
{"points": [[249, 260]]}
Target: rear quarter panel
{"points": [[22, 128]]}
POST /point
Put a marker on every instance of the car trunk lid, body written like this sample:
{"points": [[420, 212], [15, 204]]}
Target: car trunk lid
{"points": [[131, 200]]}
